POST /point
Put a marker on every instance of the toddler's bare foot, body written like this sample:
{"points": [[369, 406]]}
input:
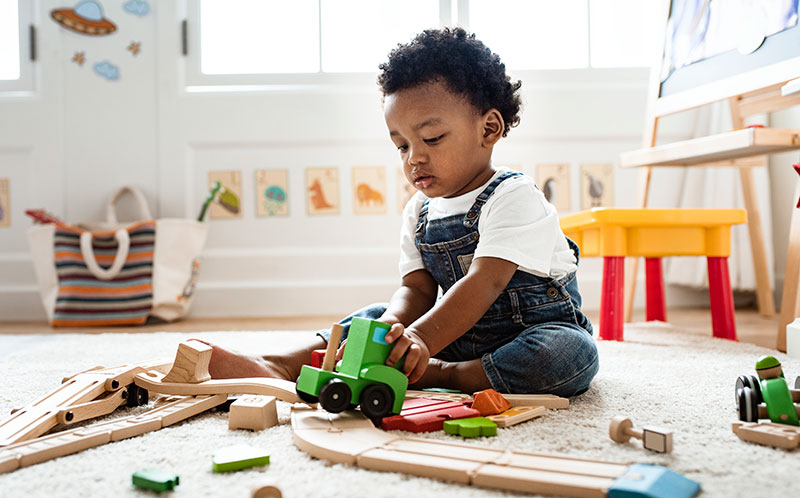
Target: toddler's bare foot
{"points": [[226, 364]]}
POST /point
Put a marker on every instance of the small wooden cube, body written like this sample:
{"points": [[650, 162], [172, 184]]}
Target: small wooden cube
{"points": [[656, 439], [253, 412]]}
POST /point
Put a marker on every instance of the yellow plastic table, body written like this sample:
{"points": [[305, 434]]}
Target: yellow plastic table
{"points": [[614, 233]]}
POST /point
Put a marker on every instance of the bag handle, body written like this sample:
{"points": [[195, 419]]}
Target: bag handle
{"points": [[111, 207], [124, 243]]}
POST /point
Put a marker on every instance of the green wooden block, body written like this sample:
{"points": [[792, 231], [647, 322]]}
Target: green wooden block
{"points": [[155, 480], [471, 427], [239, 457]]}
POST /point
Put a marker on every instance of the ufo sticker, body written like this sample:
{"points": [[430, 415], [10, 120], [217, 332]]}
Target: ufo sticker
{"points": [[86, 19]]}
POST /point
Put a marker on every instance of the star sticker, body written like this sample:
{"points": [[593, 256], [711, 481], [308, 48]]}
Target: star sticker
{"points": [[797, 169], [134, 47], [79, 58]]}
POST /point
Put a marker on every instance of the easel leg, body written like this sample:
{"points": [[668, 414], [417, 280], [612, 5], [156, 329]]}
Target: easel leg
{"points": [[766, 301], [790, 302], [632, 270]]}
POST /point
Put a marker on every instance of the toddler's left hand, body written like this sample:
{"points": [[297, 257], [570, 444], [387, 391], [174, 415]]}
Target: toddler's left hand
{"points": [[407, 343]]}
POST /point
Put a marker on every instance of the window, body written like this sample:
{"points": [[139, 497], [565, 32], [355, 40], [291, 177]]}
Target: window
{"points": [[16, 67], [266, 41]]}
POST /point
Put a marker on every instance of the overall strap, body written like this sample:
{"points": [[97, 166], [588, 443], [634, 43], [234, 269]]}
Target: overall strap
{"points": [[423, 217], [471, 218]]}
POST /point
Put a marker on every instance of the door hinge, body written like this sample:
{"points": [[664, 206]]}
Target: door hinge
{"points": [[184, 37], [32, 40]]}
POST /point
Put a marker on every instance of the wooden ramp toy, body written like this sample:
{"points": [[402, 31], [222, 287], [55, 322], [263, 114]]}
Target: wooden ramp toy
{"points": [[426, 415], [517, 415], [284, 390], [92, 393], [350, 438], [45, 448]]}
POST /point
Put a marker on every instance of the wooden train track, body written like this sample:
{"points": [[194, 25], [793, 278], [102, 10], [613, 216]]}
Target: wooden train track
{"points": [[351, 438]]}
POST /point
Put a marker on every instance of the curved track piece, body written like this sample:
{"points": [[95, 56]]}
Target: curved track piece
{"points": [[349, 437], [284, 390]]}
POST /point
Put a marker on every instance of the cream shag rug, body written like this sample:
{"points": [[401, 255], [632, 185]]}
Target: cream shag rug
{"points": [[658, 376]]}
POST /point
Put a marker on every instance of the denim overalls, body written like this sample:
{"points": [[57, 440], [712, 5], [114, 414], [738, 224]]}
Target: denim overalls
{"points": [[534, 338]]}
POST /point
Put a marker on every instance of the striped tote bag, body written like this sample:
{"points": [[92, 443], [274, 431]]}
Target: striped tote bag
{"points": [[117, 276]]}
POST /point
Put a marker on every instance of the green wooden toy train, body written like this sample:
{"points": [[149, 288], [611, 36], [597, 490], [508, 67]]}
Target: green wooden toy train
{"points": [[360, 378]]}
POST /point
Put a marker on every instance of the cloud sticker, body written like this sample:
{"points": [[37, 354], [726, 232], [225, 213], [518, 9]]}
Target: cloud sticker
{"points": [[138, 7], [107, 70]]}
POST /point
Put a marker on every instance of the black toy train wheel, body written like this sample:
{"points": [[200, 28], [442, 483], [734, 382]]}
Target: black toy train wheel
{"points": [[335, 395], [308, 398], [376, 400], [747, 405], [137, 396], [753, 383]]}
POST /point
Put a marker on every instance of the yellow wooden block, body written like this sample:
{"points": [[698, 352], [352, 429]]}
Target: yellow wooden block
{"points": [[652, 233]]}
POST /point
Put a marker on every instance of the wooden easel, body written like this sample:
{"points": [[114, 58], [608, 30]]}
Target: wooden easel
{"points": [[748, 93]]}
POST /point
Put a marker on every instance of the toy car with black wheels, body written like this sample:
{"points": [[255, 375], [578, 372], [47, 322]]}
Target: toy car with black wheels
{"points": [[767, 396], [360, 378]]}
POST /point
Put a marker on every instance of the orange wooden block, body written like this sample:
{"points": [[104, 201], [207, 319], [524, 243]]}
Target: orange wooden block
{"points": [[490, 402]]}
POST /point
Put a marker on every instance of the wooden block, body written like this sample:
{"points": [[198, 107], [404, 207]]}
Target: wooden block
{"points": [[426, 415], [155, 480], [317, 357], [438, 396], [191, 363], [253, 412], [239, 457], [471, 427], [516, 415], [657, 439], [489, 402], [549, 401]]}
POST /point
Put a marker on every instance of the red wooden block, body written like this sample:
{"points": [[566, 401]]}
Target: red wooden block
{"points": [[489, 402], [317, 356], [426, 415]]}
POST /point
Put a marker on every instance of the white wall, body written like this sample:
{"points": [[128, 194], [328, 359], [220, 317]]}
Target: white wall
{"points": [[68, 146]]}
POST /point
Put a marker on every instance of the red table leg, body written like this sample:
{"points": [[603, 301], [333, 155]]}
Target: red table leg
{"points": [[612, 305], [719, 292], [654, 290]]}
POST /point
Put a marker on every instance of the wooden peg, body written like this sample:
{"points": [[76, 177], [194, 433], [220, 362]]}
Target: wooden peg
{"points": [[265, 490], [333, 345], [655, 439], [191, 363]]}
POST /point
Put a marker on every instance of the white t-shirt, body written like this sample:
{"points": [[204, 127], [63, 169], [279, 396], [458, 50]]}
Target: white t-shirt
{"points": [[516, 223]]}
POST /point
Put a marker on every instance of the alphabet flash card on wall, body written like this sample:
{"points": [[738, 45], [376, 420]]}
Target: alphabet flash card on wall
{"points": [[227, 204], [554, 181], [272, 186], [597, 185], [404, 190], [5, 203], [322, 191], [369, 190]]}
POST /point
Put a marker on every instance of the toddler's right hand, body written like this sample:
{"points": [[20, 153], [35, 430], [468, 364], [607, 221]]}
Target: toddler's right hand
{"points": [[408, 344]]}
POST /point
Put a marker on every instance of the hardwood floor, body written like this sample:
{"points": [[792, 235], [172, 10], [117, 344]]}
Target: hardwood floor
{"points": [[750, 326]]}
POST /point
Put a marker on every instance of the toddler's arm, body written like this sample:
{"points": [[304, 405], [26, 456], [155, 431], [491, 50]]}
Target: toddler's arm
{"points": [[453, 315]]}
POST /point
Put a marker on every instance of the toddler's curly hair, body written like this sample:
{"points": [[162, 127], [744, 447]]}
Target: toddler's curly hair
{"points": [[462, 62]]}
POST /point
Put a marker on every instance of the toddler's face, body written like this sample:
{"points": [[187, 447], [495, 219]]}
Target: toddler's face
{"points": [[440, 138]]}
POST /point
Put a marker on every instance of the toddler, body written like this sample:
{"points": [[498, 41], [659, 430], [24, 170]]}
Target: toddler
{"points": [[509, 315]]}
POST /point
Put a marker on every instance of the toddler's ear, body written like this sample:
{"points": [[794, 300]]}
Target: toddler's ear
{"points": [[493, 127]]}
